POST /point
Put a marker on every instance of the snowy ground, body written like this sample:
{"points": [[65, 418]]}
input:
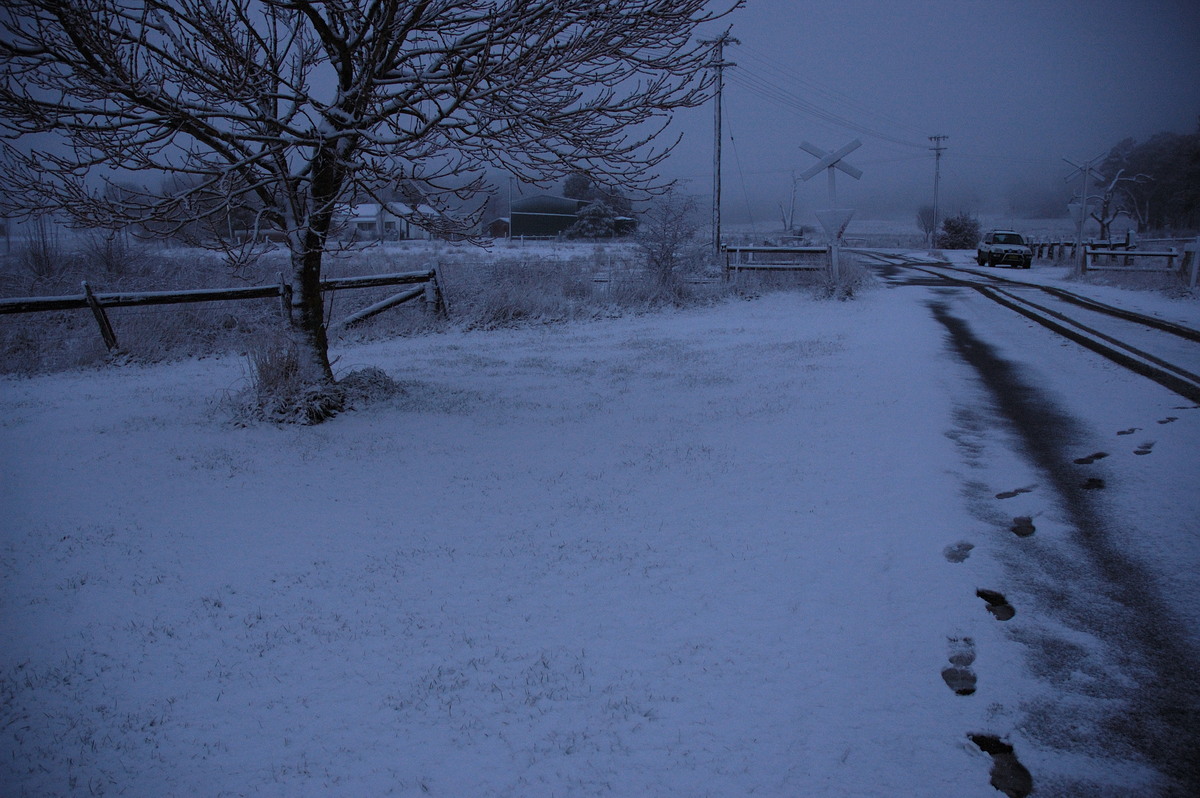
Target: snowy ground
{"points": [[696, 553]]}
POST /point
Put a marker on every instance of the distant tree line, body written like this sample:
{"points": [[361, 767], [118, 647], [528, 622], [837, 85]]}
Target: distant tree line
{"points": [[1156, 182]]}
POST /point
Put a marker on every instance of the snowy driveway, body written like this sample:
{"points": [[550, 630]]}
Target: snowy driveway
{"points": [[724, 551]]}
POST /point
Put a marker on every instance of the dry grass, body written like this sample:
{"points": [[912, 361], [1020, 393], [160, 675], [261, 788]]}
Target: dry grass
{"points": [[512, 284]]}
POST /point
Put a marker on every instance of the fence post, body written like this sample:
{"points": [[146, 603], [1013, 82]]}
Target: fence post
{"points": [[1195, 263], [434, 295], [285, 298], [106, 330]]}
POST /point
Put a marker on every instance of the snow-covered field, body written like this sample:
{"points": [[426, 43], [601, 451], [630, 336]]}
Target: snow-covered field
{"points": [[694, 553]]}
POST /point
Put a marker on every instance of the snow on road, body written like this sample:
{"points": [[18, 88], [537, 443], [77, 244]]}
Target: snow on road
{"points": [[695, 553]]}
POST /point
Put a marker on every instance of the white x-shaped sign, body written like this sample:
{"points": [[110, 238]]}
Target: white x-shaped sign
{"points": [[828, 160]]}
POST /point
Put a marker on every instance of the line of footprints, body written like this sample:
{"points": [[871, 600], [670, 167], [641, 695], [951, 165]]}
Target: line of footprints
{"points": [[1008, 775]]}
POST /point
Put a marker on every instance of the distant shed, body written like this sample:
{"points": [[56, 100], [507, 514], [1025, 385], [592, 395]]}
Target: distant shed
{"points": [[543, 216]]}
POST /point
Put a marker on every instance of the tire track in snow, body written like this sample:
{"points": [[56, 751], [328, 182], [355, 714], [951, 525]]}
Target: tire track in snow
{"points": [[1103, 592]]}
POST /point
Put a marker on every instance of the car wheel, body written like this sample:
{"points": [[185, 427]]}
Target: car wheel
{"points": [[982, 261]]}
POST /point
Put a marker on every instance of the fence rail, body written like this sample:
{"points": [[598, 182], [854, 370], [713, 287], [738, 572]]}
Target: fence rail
{"points": [[123, 299], [746, 258], [99, 301], [1102, 256]]}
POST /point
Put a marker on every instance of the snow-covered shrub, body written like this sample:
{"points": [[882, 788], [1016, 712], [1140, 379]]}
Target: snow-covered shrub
{"points": [[367, 386], [594, 221], [668, 241], [851, 280], [278, 392], [960, 231]]}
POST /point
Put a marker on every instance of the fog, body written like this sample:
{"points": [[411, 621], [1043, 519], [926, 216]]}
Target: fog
{"points": [[1016, 86]]}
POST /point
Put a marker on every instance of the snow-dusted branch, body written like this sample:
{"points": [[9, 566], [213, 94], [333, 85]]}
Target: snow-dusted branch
{"points": [[284, 109]]}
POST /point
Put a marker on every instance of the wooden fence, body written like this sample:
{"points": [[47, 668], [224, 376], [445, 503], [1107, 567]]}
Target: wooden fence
{"points": [[1104, 256], [1128, 255], [748, 258], [425, 284], [1052, 249]]}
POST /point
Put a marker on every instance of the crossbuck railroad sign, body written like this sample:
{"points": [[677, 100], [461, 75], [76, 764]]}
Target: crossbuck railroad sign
{"points": [[834, 220], [831, 161]]}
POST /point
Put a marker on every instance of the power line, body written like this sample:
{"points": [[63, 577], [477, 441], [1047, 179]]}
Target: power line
{"points": [[742, 176], [769, 89], [785, 98], [789, 76]]}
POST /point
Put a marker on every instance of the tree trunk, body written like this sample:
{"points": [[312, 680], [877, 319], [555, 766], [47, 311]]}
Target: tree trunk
{"points": [[308, 317], [308, 250]]}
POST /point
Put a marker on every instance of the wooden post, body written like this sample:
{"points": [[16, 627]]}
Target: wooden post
{"points": [[1195, 263], [434, 295], [285, 298], [106, 330]]}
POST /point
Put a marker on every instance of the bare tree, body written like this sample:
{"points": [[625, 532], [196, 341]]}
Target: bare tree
{"points": [[667, 240], [788, 215], [927, 221], [281, 110], [1113, 201]]}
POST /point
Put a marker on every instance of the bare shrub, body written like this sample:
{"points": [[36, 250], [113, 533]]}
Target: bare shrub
{"points": [[369, 385], [42, 257], [667, 240], [502, 292], [755, 283], [40, 342], [278, 389], [111, 253], [852, 279]]}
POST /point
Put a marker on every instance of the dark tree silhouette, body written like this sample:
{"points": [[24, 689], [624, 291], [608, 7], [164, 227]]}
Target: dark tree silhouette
{"points": [[279, 111]]}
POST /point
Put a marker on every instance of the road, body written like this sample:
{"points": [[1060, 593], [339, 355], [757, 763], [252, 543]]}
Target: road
{"points": [[1104, 539]]}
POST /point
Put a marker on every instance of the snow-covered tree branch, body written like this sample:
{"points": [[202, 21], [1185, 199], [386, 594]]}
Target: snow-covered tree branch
{"points": [[284, 109]]}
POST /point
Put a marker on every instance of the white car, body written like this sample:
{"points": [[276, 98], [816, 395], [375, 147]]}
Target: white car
{"points": [[1004, 246]]}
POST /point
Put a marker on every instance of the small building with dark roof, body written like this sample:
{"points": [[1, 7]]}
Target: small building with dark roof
{"points": [[543, 216]]}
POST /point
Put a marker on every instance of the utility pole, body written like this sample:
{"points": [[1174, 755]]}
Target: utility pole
{"points": [[718, 63], [1087, 171], [937, 179]]}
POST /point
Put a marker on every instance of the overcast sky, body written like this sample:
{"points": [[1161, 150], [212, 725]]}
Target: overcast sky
{"points": [[1017, 85]]}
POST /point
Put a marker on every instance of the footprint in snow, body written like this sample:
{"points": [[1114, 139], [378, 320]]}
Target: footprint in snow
{"points": [[1008, 775], [1091, 458], [1022, 526], [1093, 483], [1168, 419], [1129, 431], [959, 677], [997, 604], [1008, 494], [958, 552], [1144, 448]]}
